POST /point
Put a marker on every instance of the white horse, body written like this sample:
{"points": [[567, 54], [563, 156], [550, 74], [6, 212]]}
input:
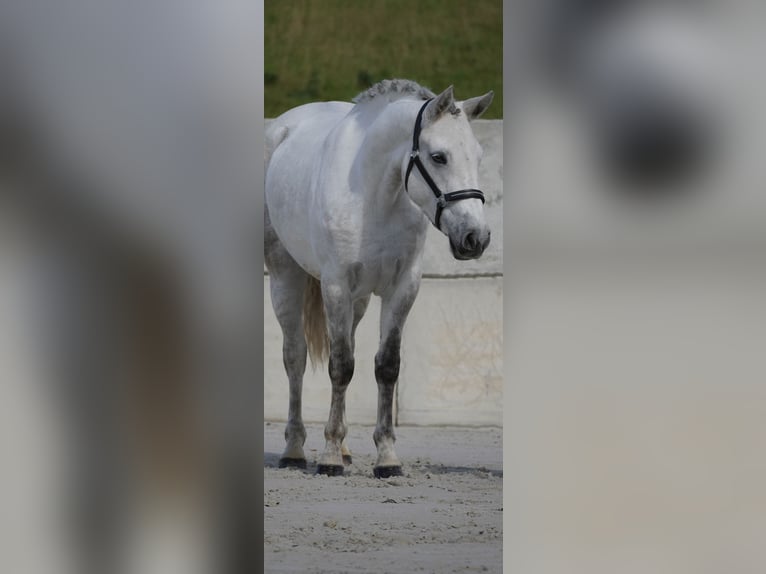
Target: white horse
{"points": [[346, 216]]}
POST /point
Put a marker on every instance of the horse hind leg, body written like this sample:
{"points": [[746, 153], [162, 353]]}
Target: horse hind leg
{"points": [[294, 358], [360, 306], [288, 283], [339, 312], [345, 451]]}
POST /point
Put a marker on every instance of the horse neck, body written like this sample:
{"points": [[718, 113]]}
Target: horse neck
{"points": [[378, 166]]}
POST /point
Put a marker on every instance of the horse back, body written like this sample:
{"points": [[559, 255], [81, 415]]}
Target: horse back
{"points": [[309, 124]]}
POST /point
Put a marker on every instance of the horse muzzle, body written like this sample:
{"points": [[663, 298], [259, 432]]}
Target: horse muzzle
{"points": [[470, 246]]}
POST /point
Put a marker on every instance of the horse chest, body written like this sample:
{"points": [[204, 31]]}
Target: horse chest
{"points": [[376, 276]]}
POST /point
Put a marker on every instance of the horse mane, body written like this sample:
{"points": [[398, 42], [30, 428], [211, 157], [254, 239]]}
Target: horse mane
{"points": [[396, 89]]}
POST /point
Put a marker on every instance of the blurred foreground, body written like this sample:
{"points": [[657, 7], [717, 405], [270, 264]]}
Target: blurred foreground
{"points": [[130, 148]]}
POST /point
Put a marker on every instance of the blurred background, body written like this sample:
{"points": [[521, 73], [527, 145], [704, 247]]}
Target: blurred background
{"points": [[635, 279]]}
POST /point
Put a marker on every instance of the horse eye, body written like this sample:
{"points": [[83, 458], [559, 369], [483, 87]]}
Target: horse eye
{"points": [[439, 157]]}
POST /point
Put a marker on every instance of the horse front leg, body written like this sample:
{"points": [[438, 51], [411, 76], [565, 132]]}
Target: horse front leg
{"points": [[339, 314], [394, 311]]}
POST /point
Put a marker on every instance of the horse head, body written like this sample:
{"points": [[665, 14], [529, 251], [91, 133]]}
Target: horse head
{"points": [[446, 155]]}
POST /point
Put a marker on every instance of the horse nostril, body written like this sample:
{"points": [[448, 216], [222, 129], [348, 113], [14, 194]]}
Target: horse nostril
{"points": [[470, 242]]}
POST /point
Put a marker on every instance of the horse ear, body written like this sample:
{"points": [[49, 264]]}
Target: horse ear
{"points": [[440, 104], [474, 107]]}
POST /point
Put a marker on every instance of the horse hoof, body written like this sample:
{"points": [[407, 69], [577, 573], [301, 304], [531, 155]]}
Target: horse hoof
{"points": [[387, 471], [346, 459], [288, 462], [330, 469]]}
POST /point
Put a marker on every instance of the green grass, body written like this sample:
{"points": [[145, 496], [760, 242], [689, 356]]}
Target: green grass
{"points": [[332, 49]]}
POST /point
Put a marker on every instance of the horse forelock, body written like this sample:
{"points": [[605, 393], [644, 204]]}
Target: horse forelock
{"points": [[396, 89]]}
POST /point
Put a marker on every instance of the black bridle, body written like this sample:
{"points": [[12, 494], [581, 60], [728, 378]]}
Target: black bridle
{"points": [[441, 198]]}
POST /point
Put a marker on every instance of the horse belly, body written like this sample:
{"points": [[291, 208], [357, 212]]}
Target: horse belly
{"points": [[288, 199]]}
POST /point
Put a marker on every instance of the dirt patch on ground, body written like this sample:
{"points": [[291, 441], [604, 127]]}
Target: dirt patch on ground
{"points": [[444, 515]]}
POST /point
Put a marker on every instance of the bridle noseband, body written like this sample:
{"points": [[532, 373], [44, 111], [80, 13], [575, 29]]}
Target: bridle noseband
{"points": [[441, 198]]}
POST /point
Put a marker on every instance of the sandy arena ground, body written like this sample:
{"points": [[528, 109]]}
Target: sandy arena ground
{"points": [[443, 516]]}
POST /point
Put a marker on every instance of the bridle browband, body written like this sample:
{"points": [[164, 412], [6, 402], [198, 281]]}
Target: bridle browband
{"points": [[441, 198]]}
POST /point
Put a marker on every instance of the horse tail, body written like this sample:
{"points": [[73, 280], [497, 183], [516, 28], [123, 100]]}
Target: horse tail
{"points": [[314, 323]]}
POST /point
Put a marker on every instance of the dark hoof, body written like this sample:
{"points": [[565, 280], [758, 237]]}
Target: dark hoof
{"points": [[346, 459], [287, 462], [330, 469], [387, 471]]}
